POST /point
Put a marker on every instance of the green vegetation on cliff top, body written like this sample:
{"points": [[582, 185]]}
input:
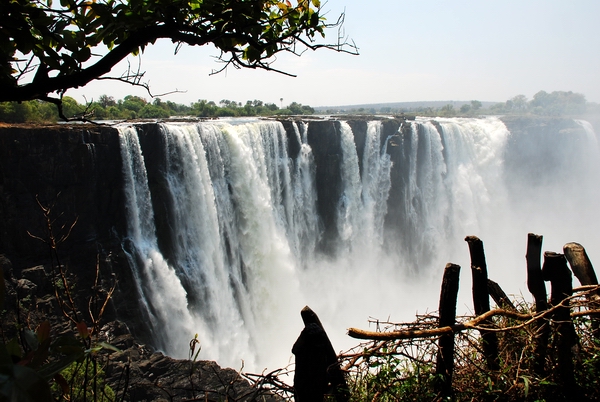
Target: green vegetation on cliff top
{"points": [[557, 103]]}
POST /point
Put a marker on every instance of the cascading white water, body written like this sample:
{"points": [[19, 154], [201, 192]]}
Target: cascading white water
{"points": [[244, 227], [162, 297], [304, 229]]}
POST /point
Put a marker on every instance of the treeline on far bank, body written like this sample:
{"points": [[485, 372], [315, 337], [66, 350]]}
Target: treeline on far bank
{"points": [[557, 103], [135, 107]]}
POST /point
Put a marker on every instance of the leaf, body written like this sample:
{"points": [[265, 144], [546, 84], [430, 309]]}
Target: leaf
{"points": [[82, 329], [49, 370], [525, 385], [31, 339], [64, 386], [30, 386], [108, 346], [5, 359], [43, 331], [67, 345], [9, 349]]}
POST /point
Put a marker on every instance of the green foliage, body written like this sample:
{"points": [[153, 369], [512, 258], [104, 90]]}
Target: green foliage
{"points": [[135, 107], [29, 111], [28, 378], [66, 44], [393, 378], [84, 381]]}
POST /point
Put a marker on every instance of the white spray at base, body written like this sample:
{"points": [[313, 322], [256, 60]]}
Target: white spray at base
{"points": [[245, 228]]}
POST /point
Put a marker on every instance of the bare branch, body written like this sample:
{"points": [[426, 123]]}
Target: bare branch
{"points": [[474, 322]]}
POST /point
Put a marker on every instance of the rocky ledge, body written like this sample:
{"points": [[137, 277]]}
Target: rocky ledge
{"points": [[152, 376], [135, 372]]}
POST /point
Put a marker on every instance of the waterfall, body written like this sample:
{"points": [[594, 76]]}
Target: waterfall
{"points": [[224, 232], [163, 299]]}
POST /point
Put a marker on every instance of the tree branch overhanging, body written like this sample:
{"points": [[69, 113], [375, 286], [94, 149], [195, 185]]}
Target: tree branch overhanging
{"points": [[249, 35]]}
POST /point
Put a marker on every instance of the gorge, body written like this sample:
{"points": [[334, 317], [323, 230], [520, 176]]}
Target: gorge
{"points": [[227, 228]]}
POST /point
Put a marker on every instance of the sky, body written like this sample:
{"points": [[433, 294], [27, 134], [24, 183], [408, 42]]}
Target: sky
{"points": [[422, 50]]}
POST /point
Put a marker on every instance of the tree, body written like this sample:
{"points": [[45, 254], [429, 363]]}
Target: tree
{"points": [[558, 103], [48, 48], [519, 103], [447, 110], [106, 101], [476, 105]]}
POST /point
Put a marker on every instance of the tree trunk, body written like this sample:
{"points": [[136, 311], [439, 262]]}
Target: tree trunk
{"points": [[584, 271], [556, 271], [481, 298], [535, 284], [447, 309]]}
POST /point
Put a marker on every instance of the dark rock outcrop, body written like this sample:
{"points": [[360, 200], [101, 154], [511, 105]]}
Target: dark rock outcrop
{"points": [[324, 139], [66, 179]]}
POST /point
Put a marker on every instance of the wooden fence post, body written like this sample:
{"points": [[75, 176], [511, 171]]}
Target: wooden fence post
{"points": [[317, 371], [481, 298], [535, 284], [584, 271], [447, 311], [556, 271]]}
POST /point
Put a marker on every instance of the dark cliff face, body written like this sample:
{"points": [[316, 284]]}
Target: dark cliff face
{"points": [[324, 139], [75, 172], [76, 169]]}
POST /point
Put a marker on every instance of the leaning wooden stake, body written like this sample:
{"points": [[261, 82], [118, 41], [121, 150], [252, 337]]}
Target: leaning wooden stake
{"points": [[445, 356], [584, 271], [481, 298], [500, 296], [556, 271], [318, 374], [535, 284]]}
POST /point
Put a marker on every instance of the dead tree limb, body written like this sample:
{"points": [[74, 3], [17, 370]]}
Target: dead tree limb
{"points": [[499, 296], [445, 355], [556, 271], [584, 271], [537, 287], [481, 298], [472, 324]]}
